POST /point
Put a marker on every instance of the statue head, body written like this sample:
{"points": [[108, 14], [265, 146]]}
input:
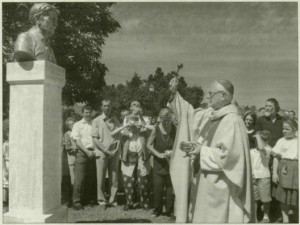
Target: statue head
{"points": [[44, 16]]}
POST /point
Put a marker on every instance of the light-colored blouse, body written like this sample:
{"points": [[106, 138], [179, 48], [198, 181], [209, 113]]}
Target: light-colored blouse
{"points": [[287, 148]]}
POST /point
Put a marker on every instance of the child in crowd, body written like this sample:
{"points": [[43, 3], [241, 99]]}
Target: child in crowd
{"points": [[5, 164], [260, 157], [285, 169]]}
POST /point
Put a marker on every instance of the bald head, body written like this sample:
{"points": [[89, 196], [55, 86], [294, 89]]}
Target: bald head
{"points": [[223, 85], [227, 85], [220, 93]]}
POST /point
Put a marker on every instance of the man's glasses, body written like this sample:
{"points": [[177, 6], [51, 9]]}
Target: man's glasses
{"points": [[212, 94]]}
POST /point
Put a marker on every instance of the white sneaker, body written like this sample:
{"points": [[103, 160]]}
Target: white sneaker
{"points": [[112, 204], [102, 203]]}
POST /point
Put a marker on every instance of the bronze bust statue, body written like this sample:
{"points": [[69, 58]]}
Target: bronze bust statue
{"points": [[35, 43]]}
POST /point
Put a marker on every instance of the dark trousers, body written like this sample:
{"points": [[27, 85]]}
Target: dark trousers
{"points": [[159, 182], [275, 210], [85, 183], [66, 186]]}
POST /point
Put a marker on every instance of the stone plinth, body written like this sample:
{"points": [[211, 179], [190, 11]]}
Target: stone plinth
{"points": [[35, 139]]}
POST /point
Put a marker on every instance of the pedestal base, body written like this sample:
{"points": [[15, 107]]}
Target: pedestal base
{"points": [[60, 215], [35, 143]]}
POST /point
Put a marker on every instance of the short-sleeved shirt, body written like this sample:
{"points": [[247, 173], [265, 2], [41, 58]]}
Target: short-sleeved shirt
{"points": [[260, 162], [102, 128], [81, 131], [287, 148], [265, 123]]}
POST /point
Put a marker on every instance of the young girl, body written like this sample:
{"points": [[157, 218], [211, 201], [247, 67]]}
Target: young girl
{"points": [[285, 169]]}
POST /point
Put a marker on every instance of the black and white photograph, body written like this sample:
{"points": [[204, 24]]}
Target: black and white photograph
{"points": [[150, 112]]}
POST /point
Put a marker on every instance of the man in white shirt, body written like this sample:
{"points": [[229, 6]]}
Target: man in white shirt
{"points": [[85, 165]]}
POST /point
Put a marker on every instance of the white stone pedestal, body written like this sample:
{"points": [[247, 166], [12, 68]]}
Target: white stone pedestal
{"points": [[35, 138]]}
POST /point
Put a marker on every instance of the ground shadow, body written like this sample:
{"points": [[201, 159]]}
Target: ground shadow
{"points": [[118, 221]]}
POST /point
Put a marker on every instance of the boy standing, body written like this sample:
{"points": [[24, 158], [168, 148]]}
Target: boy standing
{"points": [[260, 157]]}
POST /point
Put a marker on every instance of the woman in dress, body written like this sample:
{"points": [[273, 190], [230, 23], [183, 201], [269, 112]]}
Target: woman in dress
{"points": [[160, 143]]}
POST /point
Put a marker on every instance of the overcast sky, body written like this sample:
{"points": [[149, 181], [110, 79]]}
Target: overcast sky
{"points": [[254, 45]]}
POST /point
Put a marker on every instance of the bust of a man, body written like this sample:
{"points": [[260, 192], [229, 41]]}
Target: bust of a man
{"points": [[35, 43]]}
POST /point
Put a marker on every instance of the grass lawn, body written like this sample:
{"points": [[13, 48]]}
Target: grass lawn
{"points": [[97, 214]]}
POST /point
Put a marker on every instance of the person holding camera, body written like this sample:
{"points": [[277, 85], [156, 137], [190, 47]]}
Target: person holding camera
{"points": [[135, 164], [135, 156]]}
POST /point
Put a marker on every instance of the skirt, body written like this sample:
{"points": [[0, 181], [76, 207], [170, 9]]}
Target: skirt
{"points": [[286, 191]]}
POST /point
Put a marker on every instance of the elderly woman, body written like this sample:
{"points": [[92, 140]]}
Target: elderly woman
{"points": [[250, 120], [136, 166], [70, 147], [5, 164], [160, 143]]}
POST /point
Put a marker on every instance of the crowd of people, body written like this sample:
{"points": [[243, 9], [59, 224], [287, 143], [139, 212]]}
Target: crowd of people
{"points": [[104, 148], [273, 139], [237, 167]]}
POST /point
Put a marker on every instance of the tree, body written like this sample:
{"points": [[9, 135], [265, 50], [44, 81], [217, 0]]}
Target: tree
{"points": [[151, 99], [77, 44]]}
